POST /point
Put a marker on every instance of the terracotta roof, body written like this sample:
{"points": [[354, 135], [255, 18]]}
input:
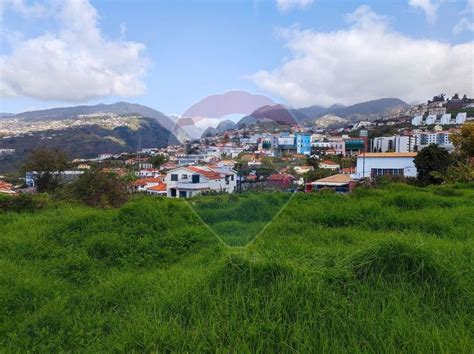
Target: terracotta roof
{"points": [[329, 162], [339, 178], [279, 177], [205, 173], [5, 185], [143, 181], [158, 188], [388, 154]]}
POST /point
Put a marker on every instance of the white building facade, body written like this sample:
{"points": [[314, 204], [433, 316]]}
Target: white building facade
{"points": [[373, 165], [186, 182]]}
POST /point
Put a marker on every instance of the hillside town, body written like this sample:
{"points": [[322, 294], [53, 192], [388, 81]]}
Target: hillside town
{"points": [[289, 157]]}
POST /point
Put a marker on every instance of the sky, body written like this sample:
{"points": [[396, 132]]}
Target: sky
{"points": [[168, 54]]}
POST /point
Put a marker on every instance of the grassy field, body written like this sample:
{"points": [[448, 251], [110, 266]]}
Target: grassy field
{"points": [[384, 270]]}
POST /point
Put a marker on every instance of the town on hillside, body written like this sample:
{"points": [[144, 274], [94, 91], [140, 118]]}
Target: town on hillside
{"points": [[272, 155]]}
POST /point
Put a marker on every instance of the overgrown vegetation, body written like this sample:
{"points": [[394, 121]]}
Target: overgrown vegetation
{"points": [[382, 270]]}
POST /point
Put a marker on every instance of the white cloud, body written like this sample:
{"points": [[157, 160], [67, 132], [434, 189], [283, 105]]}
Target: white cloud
{"points": [[76, 63], [368, 60], [463, 25], [25, 9], [429, 7], [286, 5]]}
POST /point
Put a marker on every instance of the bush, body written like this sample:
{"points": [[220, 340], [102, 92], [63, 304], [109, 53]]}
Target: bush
{"points": [[100, 189], [24, 202]]}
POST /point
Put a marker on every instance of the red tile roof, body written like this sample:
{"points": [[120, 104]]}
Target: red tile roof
{"points": [[4, 185], [279, 177], [158, 188], [205, 173], [143, 181], [329, 162]]}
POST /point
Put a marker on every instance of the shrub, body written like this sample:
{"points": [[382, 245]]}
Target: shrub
{"points": [[100, 189], [24, 202]]}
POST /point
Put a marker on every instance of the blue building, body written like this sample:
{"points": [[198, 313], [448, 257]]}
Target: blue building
{"points": [[303, 143]]}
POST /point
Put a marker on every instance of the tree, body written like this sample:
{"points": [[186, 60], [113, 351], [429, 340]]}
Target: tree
{"points": [[432, 159], [100, 189], [157, 160], [458, 172], [47, 165], [463, 141]]}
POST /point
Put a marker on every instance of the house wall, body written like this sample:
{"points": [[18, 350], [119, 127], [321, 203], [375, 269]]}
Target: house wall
{"points": [[405, 163], [218, 185]]}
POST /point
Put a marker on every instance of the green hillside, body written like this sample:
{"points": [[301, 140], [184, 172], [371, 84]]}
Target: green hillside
{"points": [[384, 270]]}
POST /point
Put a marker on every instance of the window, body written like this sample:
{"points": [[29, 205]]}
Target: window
{"points": [[195, 178], [375, 172], [184, 176], [174, 177]]}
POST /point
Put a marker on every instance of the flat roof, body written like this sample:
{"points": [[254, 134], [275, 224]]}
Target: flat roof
{"points": [[339, 179], [388, 154]]}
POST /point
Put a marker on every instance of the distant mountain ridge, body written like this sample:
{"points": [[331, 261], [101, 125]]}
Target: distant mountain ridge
{"points": [[88, 141], [61, 113], [285, 115], [222, 127]]}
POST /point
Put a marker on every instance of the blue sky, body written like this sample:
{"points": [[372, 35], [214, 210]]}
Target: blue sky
{"points": [[312, 52]]}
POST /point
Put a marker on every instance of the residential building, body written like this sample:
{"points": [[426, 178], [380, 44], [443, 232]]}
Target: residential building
{"points": [[303, 169], [461, 118], [438, 138], [148, 172], [329, 165], [417, 120], [383, 144], [186, 182], [143, 184], [158, 189], [387, 163], [6, 188], [431, 119], [445, 119], [280, 180], [341, 183], [303, 143], [405, 143]]}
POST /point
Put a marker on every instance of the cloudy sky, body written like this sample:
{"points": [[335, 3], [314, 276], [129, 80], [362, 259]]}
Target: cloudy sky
{"points": [[168, 54]]}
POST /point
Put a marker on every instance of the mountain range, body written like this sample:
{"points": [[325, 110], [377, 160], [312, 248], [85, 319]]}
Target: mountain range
{"points": [[157, 130], [286, 115], [62, 113]]}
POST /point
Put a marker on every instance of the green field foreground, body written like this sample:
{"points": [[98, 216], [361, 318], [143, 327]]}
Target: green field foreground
{"points": [[382, 270]]}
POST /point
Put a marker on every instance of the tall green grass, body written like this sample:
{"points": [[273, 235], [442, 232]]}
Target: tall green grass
{"points": [[383, 270]]}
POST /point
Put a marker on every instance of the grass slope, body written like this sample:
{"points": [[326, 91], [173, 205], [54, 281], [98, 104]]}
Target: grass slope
{"points": [[238, 219], [386, 270]]}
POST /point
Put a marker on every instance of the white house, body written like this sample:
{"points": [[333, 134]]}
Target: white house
{"points": [[461, 118], [330, 165], [143, 184], [148, 173], [186, 182], [417, 120], [386, 164], [445, 119], [431, 119]]}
